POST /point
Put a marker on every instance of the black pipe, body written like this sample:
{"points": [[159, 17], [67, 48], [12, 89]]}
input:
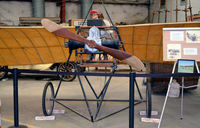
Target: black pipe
{"points": [[15, 96], [131, 100]]}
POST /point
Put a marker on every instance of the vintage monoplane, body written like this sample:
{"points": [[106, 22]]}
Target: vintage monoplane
{"points": [[75, 42], [89, 41], [97, 47]]}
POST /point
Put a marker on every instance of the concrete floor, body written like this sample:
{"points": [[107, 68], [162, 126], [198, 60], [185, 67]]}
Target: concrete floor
{"points": [[30, 105]]}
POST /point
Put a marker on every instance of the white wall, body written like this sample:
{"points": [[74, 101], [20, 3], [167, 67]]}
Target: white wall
{"points": [[171, 5], [10, 11], [131, 14]]}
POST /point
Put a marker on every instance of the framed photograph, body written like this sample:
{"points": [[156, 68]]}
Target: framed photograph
{"points": [[186, 66]]}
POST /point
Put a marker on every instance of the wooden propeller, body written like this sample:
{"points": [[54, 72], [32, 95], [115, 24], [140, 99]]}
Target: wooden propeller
{"points": [[118, 54]]}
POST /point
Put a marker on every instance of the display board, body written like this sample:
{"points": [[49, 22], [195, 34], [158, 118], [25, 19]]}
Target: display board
{"points": [[181, 43]]}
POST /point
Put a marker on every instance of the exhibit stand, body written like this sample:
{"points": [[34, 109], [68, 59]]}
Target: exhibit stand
{"points": [[181, 45], [184, 66]]}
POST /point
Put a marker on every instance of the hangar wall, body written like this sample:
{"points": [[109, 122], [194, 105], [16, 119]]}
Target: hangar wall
{"points": [[129, 11]]}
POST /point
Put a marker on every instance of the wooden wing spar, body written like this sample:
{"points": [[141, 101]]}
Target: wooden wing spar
{"points": [[121, 55]]}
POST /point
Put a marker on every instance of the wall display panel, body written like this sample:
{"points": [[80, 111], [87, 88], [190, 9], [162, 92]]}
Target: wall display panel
{"points": [[181, 43]]}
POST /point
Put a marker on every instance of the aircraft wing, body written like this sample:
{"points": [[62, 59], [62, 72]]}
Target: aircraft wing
{"points": [[30, 45]]}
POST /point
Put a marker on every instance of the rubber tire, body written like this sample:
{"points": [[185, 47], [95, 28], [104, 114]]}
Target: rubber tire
{"points": [[2, 73], [70, 68], [148, 101], [47, 85]]}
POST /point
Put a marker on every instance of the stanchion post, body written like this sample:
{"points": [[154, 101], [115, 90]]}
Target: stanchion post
{"points": [[15, 98], [131, 99]]}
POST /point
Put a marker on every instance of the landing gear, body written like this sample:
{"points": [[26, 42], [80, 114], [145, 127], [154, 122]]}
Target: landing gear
{"points": [[48, 99], [70, 68]]}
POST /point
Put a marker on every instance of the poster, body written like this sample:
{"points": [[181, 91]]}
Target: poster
{"points": [[193, 36], [177, 36], [190, 51], [173, 51]]}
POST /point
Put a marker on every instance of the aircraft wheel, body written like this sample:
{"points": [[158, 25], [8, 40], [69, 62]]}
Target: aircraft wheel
{"points": [[3, 74], [48, 99], [148, 101], [70, 68]]}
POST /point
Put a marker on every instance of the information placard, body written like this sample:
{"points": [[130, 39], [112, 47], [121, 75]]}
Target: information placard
{"points": [[186, 66], [181, 43]]}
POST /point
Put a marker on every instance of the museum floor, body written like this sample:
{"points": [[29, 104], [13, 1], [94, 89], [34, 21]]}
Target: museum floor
{"points": [[30, 106]]}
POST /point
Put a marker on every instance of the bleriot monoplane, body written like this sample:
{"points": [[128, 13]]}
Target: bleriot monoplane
{"points": [[96, 46]]}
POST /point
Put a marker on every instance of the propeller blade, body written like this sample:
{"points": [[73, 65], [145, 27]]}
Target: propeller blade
{"points": [[118, 54]]}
